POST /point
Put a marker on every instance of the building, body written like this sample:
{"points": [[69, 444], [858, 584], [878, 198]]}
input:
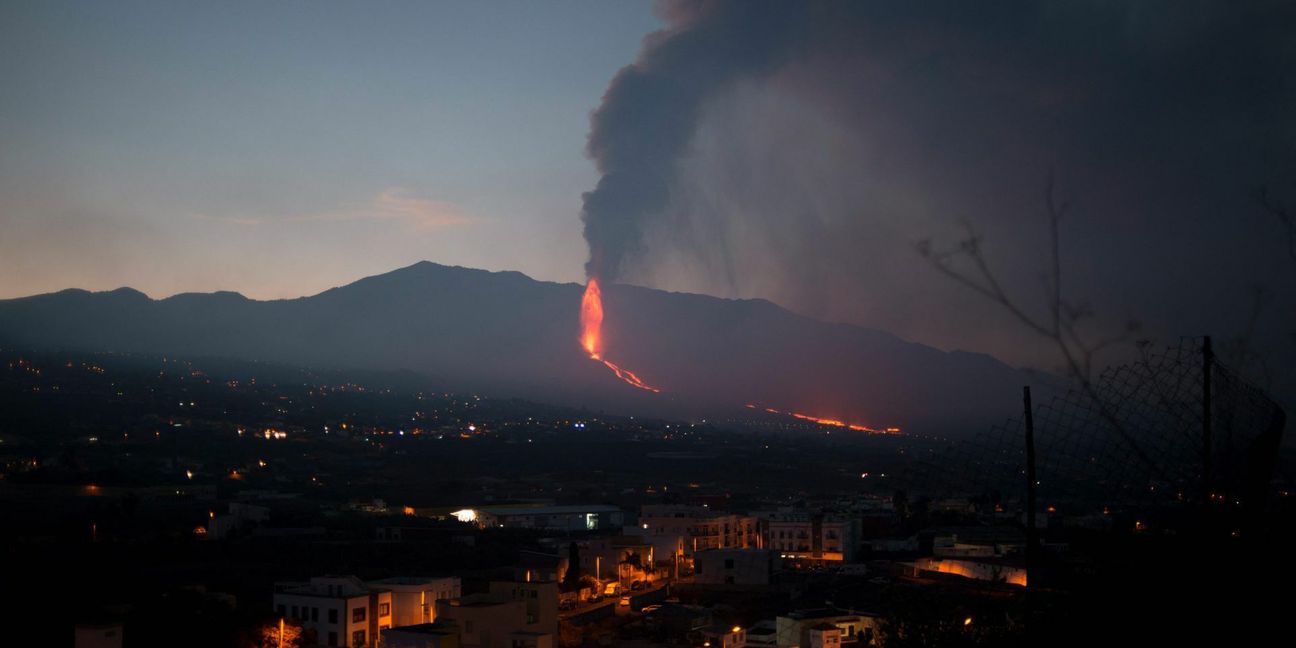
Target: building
{"points": [[677, 533], [721, 636], [540, 599], [800, 535], [622, 558], [487, 621], [414, 598], [977, 542], [342, 610], [804, 628], [988, 569], [739, 567], [345, 611], [424, 635], [98, 636], [594, 517], [824, 635]]}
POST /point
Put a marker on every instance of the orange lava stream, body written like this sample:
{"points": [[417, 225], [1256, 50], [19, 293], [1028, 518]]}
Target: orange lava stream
{"points": [[628, 376], [828, 421], [591, 318]]}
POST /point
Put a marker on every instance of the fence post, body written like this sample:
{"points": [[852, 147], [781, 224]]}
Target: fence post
{"points": [[1207, 449], [1032, 541]]}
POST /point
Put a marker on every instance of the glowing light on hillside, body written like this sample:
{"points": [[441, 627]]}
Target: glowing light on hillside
{"points": [[591, 338]]}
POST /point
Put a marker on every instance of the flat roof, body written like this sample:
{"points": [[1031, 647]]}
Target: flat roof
{"points": [[548, 510]]}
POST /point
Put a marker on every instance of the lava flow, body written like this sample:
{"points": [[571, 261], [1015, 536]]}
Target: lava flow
{"points": [[591, 317], [828, 421]]}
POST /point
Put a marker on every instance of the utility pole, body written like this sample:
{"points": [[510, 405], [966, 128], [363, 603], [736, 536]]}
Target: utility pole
{"points": [[1032, 542], [1208, 359]]}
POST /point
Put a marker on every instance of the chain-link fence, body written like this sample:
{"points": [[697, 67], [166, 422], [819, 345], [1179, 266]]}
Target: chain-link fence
{"points": [[1134, 437]]}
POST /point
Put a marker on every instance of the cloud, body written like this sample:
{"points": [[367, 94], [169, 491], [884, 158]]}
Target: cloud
{"points": [[394, 205]]}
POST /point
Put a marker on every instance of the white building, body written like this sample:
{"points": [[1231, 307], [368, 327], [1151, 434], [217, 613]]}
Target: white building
{"points": [[811, 536], [414, 597], [345, 611], [590, 517], [678, 532], [341, 610], [806, 628]]}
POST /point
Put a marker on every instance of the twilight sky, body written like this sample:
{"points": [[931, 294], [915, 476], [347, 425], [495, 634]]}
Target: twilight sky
{"points": [[279, 149], [791, 151]]}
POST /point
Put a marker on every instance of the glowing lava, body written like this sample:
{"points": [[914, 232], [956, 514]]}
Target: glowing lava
{"points": [[828, 421], [591, 319]]}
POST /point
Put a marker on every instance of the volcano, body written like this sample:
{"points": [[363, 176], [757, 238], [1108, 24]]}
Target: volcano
{"points": [[504, 334]]}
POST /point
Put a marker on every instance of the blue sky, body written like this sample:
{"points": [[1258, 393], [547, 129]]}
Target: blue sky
{"points": [[279, 149]]}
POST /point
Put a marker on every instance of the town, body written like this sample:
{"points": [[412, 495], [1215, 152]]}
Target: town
{"points": [[242, 504]]}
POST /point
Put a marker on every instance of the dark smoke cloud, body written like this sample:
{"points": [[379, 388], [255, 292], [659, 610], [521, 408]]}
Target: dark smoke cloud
{"points": [[796, 151], [651, 109]]}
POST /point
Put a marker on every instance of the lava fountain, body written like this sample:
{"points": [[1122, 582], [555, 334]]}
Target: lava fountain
{"points": [[591, 319]]}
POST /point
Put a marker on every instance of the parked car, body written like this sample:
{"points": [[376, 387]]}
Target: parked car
{"points": [[625, 601], [649, 609], [637, 585]]}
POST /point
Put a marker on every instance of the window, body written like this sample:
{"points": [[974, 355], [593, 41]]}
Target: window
{"points": [[468, 627], [314, 614], [384, 609], [282, 610], [357, 615], [332, 638], [294, 612], [332, 615], [358, 638], [729, 580]]}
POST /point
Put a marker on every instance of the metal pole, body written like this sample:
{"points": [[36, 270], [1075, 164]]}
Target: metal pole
{"points": [[1032, 542], [1207, 360]]}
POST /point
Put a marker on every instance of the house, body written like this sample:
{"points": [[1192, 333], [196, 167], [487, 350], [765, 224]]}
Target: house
{"points": [[441, 634], [734, 567], [342, 610], [804, 628], [345, 611], [487, 621], [414, 598], [591, 517], [801, 535]]}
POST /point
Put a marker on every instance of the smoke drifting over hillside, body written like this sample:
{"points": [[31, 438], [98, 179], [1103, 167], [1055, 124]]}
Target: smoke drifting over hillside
{"points": [[797, 151]]}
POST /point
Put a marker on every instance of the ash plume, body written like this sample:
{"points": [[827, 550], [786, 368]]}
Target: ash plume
{"points": [[797, 151], [651, 109]]}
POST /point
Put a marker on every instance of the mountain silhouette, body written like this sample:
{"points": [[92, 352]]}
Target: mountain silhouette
{"points": [[505, 334]]}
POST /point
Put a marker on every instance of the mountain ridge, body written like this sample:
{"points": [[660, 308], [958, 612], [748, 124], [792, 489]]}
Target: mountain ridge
{"points": [[506, 333]]}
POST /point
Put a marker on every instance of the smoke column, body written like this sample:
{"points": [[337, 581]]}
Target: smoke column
{"points": [[651, 108]]}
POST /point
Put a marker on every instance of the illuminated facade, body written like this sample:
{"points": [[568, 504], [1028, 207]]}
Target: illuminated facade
{"points": [[826, 627], [342, 610], [345, 611], [811, 536], [414, 598], [682, 531], [592, 517]]}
